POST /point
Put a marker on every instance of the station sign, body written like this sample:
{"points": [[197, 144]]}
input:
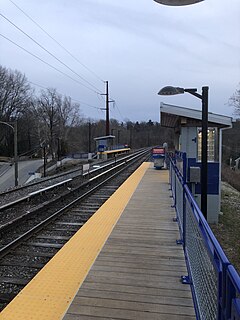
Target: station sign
{"points": [[158, 150]]}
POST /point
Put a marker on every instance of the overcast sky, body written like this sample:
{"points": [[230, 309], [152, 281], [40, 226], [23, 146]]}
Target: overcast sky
{"points": [[139, 46]]}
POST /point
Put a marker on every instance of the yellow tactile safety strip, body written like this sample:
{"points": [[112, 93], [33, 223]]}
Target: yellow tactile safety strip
{"points": [[49, 294]]}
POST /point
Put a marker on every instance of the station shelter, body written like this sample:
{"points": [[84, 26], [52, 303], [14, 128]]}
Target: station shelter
{"points": [[103, 144], [187, 125], [106, 149]]}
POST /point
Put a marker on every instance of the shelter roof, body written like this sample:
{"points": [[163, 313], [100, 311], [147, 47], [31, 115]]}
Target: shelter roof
{"points": [[174, 116], [104, 138]]}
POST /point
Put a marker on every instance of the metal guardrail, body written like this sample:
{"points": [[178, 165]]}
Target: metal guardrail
{"points": [[214, 282]]}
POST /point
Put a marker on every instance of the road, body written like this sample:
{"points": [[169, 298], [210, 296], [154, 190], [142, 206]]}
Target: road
{"points": [[7, 178]]}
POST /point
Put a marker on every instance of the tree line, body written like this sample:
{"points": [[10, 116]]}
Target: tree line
{"points": [[53, 120]]}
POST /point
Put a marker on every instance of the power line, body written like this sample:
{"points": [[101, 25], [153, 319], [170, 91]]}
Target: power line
{"points": [[37, 85], [48, 64], [115, 105], [81, 102], [58, 43], [98, 93], [85, 103], [42, 47]]}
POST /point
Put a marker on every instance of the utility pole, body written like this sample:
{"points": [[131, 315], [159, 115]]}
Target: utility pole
{"points": [[44, 160], [58, 149], [107, 110], [118, 136], [89, 137], [15, 153]]}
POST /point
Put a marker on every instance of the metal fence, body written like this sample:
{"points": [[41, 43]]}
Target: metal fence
{"points": [[214, 281]]}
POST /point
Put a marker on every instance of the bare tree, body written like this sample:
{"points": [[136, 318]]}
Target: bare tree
{"points": [[56, 115], [69, 116], [15, 94], [47, 112], [234, 101]]}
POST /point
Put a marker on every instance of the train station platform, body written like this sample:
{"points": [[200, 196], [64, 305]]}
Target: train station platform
{"points": [[124, 263]]}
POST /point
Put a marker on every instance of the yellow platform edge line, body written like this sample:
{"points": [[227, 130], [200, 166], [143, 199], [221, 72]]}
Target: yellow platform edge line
{"points": [[51, 291], [114, 151]]}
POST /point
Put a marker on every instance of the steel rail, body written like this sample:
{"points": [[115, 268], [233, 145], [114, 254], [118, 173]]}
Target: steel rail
{"points": [[16, 242], [61, 183], [95, 170]]}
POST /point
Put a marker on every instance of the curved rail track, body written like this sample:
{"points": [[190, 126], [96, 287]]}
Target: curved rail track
{"points": [[31, 239]]}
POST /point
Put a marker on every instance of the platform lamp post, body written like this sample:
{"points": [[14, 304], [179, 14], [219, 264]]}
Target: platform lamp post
{"points": [[14, 128], [204, 154], [177, 2]]}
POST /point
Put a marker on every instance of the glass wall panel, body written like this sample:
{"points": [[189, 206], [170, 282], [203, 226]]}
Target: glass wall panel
{"points": [[211, 144]]}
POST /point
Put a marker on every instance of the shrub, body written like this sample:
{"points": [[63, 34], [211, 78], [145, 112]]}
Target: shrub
{"points": [[231, 176]]}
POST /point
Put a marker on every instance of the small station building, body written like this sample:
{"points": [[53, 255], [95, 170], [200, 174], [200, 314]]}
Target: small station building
{"points": [[187, 125], [106, 149], [104, 143]]}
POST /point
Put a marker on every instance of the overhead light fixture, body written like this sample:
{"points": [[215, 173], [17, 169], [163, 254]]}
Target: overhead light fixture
{"points": [[177, 2], [170, 91]]}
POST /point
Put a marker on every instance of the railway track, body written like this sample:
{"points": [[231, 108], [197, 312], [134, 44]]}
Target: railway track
{"points": [[57, 181], [29, 241], [32, 199]]}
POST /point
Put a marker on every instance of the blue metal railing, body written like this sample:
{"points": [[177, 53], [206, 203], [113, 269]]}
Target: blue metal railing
{"points": [[214, 282]]}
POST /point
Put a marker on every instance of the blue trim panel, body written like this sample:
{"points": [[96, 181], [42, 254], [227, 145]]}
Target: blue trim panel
{"points": [[213, 176]]}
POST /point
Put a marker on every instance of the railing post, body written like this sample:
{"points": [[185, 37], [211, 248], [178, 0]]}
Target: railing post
{"points": [[232, 294], [175, 187], [184, 158], [222, 292], [170, 172], [184, 218]]}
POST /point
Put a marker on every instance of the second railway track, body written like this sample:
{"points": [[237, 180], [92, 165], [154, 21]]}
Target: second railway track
{"points": [[57, 182]]}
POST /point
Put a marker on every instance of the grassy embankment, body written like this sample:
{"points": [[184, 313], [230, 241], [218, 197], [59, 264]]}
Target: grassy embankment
{"points": [[228, 229]]}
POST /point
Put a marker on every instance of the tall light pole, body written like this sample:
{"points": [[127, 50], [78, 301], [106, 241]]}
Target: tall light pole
{"points": [[204, 154], [14, 128], [204, 98], [177, 2]]}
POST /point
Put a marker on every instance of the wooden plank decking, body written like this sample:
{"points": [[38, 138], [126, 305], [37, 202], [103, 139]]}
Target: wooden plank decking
{"points": [[137, 273]]}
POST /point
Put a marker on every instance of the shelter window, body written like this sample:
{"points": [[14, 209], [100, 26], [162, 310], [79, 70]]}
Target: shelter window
{"points": [[211, 145]]}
